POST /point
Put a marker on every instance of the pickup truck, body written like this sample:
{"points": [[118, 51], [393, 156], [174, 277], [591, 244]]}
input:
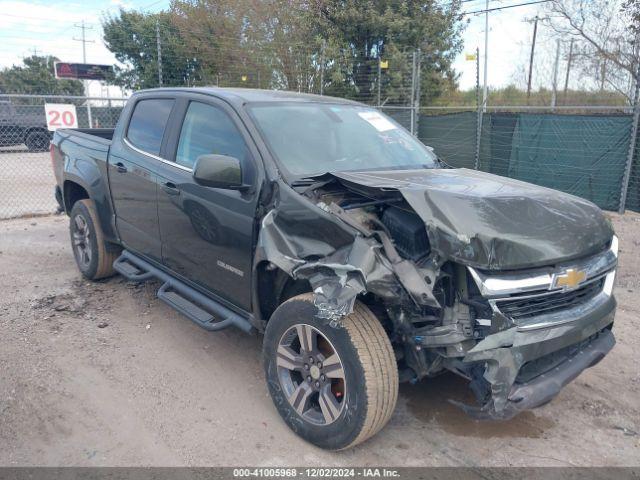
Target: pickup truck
{"points": [[362, 258], [23, 125]]}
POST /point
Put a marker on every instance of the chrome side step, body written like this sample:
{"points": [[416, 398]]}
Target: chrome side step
{"points": [[199, 308]]}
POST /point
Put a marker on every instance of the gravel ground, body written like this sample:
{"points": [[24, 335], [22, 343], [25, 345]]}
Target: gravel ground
{"points": [[105, 374]]}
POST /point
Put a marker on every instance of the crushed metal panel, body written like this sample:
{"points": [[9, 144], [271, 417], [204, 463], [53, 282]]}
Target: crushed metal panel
{"points": [[339, 263], [492, 222]]}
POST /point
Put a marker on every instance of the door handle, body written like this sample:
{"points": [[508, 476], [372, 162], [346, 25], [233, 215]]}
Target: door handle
{"points": [[121, 168], [170, 188]]}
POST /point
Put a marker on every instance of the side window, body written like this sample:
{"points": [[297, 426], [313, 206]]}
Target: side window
{"points": [[147, 124], [208, 130]]}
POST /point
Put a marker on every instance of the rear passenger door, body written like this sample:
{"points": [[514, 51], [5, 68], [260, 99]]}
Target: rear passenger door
{"points": [[133, 162], [207, 233]]}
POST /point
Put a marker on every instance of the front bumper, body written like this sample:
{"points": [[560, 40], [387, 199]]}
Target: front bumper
{"points": [[504, 354]]}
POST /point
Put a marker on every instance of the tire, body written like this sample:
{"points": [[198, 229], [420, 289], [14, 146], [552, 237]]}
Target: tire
{"points": [[93, 255], [362, 401], [37, 141]]}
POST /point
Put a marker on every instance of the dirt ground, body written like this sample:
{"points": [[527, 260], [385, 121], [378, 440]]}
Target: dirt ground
{"points": [[105, 374]]}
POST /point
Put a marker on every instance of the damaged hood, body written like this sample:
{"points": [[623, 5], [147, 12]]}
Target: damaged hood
{"points": [[492, 222]]}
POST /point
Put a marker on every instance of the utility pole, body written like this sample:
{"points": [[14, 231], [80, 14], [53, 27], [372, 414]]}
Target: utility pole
{"points": [[555, 75], [603, 73], [486, 55], [566, 78], [159, 46], [533, 49], [84, 41]]}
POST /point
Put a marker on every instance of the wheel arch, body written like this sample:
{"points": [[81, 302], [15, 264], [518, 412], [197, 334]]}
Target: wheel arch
{"points": [[72, 192], [272, 287], [74, 188]]}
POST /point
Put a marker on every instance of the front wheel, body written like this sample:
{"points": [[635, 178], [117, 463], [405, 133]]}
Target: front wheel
{"points": [[334, 387]]}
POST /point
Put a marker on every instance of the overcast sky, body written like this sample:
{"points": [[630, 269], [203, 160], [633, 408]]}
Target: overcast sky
{"points": [[47, 27]]}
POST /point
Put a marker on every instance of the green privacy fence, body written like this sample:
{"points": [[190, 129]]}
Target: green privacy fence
{"points": [[584, 155]]}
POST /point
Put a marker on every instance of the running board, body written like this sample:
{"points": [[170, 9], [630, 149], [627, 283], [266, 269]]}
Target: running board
{"points": [[200, 309]]}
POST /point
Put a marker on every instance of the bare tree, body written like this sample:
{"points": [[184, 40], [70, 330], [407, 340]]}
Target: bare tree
{"points": [[607, 35]]}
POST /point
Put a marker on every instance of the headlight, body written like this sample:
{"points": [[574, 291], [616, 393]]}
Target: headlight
{"points": [[611, 276], [614, 246]]}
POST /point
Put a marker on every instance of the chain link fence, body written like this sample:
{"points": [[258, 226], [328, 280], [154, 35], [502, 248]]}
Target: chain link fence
{"points": [[585, 151], [27, 182]]}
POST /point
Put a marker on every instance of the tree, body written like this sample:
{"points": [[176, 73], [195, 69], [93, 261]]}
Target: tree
{"points": [[371, 30], [266, 44], [37, 77], [607, 32], [286, 38], [213, 32], [333, 46], [631, 10], [131, 36]]}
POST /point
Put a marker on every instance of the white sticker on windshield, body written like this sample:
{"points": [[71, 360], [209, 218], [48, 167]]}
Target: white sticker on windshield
{"points": [[378, 121]]}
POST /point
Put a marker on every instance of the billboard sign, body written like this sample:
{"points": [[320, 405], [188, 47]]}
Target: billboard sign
{"points": [[81, 71]]}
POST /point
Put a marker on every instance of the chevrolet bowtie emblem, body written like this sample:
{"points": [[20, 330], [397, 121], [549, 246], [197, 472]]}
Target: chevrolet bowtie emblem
{"points": [[569, 279]]}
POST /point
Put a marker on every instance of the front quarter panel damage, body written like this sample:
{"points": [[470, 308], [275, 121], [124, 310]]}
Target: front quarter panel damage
{"points": [[311, 244]]}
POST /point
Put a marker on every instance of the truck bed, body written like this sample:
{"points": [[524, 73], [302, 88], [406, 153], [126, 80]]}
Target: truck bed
{"points": [[87, 144], [90, 133]]}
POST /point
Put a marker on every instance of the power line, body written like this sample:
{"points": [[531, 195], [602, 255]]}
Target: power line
{"points": [[505, 7]]}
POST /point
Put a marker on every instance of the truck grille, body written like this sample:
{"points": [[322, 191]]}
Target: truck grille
{"points": [[544, 303]]}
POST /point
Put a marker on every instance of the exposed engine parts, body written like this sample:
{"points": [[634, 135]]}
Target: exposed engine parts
{"points": [[414, 268]]}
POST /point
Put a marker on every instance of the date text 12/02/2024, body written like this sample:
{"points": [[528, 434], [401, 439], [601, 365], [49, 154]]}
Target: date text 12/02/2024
{"points": [[317, 472]]}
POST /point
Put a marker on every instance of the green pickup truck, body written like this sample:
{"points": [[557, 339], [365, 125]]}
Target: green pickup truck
{"points": [[362, 258]]}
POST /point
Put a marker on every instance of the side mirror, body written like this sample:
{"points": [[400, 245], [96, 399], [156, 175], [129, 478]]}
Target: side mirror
{"points": [[218, 171]]}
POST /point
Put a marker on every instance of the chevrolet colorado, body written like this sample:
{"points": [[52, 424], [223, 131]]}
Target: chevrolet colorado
{"points": [[363, 258]]}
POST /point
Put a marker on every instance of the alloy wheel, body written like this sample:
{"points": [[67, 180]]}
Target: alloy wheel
{"points": [[81, 235], [311, 374]]}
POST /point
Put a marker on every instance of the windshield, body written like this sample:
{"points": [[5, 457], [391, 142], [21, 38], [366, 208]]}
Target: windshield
{"points": [[311, 138]]}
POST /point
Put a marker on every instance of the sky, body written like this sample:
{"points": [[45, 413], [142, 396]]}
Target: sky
{"points": [[48, 27], [510, 36]]}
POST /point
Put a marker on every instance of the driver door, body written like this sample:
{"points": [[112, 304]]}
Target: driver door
{"points": [[207, 233]]}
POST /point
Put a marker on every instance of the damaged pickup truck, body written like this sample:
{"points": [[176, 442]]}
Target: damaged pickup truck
{"points": [[363, 259]]}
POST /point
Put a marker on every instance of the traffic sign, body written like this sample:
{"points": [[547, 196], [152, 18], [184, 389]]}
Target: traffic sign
{"points": [[60, 115]]}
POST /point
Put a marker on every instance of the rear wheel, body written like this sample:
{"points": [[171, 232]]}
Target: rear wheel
{"points": [[335, 387], [37, 141], [93, 255]]}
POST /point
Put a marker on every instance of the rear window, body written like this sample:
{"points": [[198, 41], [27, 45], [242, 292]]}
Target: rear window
{"points": [[148, 121]]}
